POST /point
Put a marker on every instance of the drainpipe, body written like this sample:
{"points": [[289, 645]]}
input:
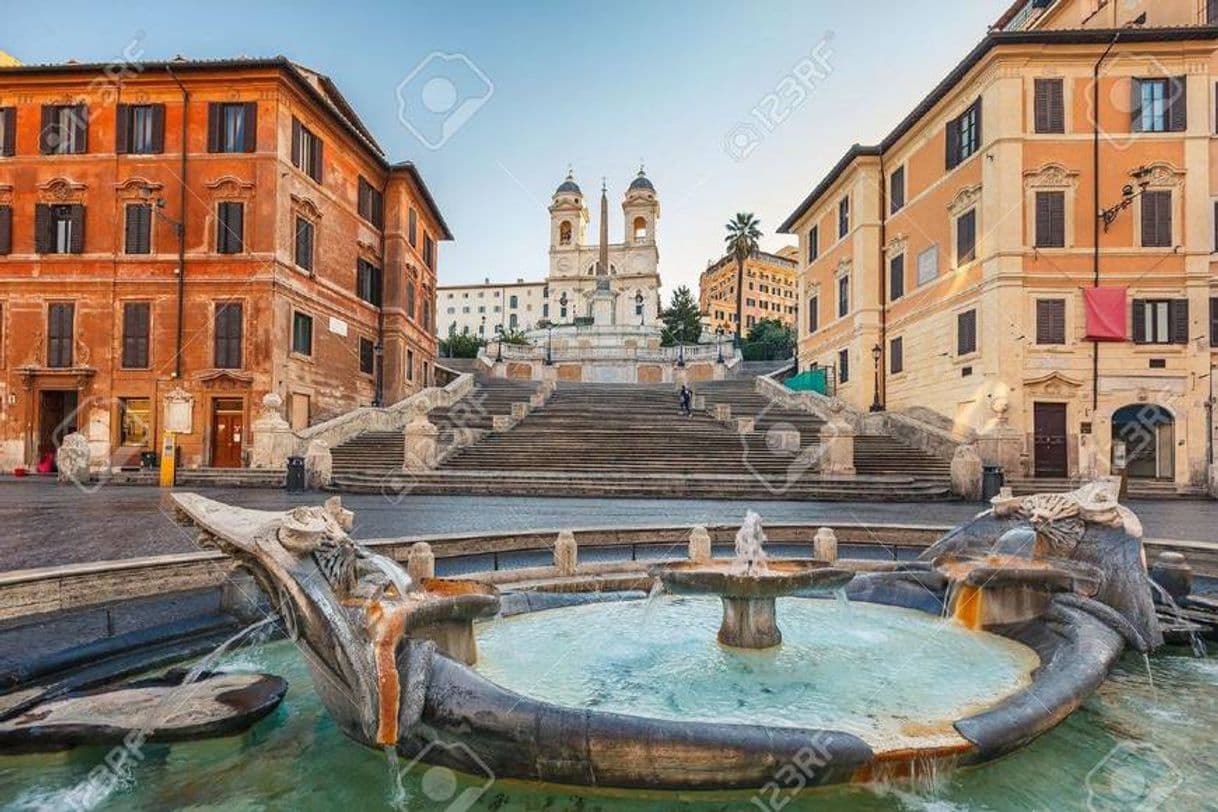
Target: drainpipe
{"points": [[883, 362], [378, 353], [181, 228]]}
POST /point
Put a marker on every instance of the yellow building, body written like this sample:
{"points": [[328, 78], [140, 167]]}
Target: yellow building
{"points": [[961, 252], [7, 61], [770, 290]]}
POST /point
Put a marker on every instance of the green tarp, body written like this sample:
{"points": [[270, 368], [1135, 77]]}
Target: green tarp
{"points": [[810, 380]]}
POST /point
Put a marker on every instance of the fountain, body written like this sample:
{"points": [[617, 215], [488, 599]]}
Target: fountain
{"points": [[749, 585]]}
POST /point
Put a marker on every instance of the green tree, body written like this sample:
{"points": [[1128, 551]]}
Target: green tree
{"points": [[743, 232], [515, 337], [460, 346], [769, 340], [682, 320]]}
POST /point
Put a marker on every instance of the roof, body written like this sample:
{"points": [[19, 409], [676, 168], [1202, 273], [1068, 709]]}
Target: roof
{"points": [[641, 181], [762, 256], [317, 86], [1098, 36]]}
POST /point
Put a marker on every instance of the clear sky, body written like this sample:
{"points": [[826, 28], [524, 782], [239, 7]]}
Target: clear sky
{"points": [[598, 86]]}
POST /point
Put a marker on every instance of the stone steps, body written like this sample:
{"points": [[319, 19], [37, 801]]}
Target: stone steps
{"points": [[1137, 488]]}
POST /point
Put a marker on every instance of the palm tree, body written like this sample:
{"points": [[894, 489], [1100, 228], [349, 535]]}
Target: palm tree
{"points": [[743, 232]]}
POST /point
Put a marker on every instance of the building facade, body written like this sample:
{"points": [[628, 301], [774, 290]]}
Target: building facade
{"points": [[961, 265], [771, 290], [482, 310], [178, 240]]}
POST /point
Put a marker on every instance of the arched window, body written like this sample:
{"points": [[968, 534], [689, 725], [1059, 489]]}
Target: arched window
{"points": [[564, 232], [640, 229], [512, 302], [512, 322]]}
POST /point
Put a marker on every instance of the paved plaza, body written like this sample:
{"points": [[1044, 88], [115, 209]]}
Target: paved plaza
{"points": [[50, 524]]}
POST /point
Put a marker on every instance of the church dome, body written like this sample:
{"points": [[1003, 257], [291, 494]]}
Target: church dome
{"points": [[568, 186], [641, 183]]}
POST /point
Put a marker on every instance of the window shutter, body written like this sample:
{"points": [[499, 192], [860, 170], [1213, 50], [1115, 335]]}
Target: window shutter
{"points": [[296, 143], [318, 146], [77, 216], [896, 278], [44, 132], [966, 332], [6, 230], [979, 134], [122, 129], [214, 123], [953, 143], [1214, 322], [10, 131], [1051, 321], [251, 126], [158, 128], [80, 126], [132, 229], [237, 226], [1139, 321], [1135, 104], [1177, 109], [42, 229], [1049, 105], [1178, 318]]}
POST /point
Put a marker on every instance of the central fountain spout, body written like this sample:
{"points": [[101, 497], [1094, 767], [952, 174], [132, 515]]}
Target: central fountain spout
{"points": [[750, 584]]}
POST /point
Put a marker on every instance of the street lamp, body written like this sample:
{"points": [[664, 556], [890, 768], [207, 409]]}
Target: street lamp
{"points": [[562, 303], [719, 342], [549, 343], [638, 305], [498, 343], [876, 352]]}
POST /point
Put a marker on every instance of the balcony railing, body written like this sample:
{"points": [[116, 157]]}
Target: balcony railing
{"points": [[663, 355]]}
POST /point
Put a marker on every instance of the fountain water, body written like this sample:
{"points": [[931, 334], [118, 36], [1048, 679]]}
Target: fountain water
{"points": [[750, 550]]}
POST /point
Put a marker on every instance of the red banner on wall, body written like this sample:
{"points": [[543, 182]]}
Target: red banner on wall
{"points": [[1106, 313]]}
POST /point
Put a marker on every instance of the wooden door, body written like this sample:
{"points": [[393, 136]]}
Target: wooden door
{"points": [[227, 433], [1049, 441]]}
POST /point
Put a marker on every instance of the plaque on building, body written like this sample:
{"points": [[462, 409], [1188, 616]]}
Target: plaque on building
{"points": [[179, 412]]}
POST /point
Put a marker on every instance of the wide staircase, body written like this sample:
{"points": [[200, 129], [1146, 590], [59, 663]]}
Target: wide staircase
{"points": [[1135, 489], [630, 440]]}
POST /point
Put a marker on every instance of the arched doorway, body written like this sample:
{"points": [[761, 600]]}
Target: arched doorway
{"points": [[1144, 436]]}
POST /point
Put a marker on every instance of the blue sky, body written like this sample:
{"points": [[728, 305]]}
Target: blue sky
{"points": [[595, 85]]}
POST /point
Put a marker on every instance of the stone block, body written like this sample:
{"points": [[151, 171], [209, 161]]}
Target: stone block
{"points": [[420, 562], [824, 545], [722, 412], [520, 410], [699, 544], [837, 449], [319, 465], [501, 422], [72, 458], [783, 441], [537, 400], [744, 425], [421, 449], [699, 403], [566, 553], [966, 473], [273, 438]]}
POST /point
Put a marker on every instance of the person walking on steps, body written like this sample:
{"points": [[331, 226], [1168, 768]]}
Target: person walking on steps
{"points": [[687, 398]]}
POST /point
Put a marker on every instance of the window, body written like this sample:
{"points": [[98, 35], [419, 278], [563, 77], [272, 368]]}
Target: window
{"points": [[843, 218], [140, 129], [966, 332], [843, 366], [304, 244], [843, 296], [228, 341], [60, 317], [1160, 321], [813, 243], [135, 422], [512, 322], [513, 302], [1214, 322], [896, 356], [964, 135], [302, 333], [410, 299], [8, 132], [896, 193], [136, 329], [306, 150], [1160, 105], [426, 320], [640, 229], [1049, 106], [1050, 321], [1050, 219], [1156, 219], [371, 203], [966, 237], [139, 228], [230, 227], [6, 230], [368, 282], [59, 229], [412, 229], [367, 355], [429, 251], [65, 129], [232, 127], [410, 360], [928, 265], [896, 277]]}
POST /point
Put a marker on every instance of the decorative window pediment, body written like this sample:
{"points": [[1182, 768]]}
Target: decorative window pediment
{"points": [[62, 190], [1163, 175], [965, 199], [229, 186], [137, 188], [1051, 176], [306, 208], [897, 245]]}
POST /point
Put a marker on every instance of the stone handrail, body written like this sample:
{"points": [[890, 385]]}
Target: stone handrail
{"points": [[666, 355], [811, 402], [339, 429]]}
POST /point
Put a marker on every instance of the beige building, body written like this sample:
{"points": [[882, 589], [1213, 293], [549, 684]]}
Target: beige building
{"points": [[480, 309], [770, 290], [962, 252]]}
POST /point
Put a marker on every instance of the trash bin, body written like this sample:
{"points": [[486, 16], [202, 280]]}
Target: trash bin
{"points": [[296, 475], [148, 459], [992, 480]]}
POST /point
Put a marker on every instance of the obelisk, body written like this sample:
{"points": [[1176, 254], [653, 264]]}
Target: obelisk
{"points": [[602, 297]]}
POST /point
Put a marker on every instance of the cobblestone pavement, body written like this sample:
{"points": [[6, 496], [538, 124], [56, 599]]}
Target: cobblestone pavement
{"points": [[46, 524]]}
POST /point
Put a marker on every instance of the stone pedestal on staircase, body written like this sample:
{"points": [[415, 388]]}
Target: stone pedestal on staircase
{"points": [[421, 445], [274, 440], [837, 443]]}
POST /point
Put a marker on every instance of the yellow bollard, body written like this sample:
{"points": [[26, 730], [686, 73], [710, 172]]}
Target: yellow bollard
{"points": [[169, 458]]}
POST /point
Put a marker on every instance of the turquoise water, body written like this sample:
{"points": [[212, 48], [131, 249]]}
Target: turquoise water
{"points": [[1137, 741]]}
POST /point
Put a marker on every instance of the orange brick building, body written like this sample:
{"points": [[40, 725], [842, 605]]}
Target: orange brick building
{"points": [[771, 290], [179, 239]]}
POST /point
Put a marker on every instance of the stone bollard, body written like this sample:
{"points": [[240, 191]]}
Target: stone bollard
{"points": [[837, 448], [464, 436], [319, 465], [966, 473], [420, 562], [699, 403], [566, 553], [72, 458], [700, 545], [537, 400], [1172, 572], [722, 412], [421, 445], [783, 441], [824, 545], [273, 438], [520, 410], [744, 425], [501, 422]]}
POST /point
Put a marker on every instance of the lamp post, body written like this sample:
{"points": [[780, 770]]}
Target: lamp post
{"points": [[876, 352], [498, 343], [719, 343], [549, 343], [562, 303], [638, 305]]}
